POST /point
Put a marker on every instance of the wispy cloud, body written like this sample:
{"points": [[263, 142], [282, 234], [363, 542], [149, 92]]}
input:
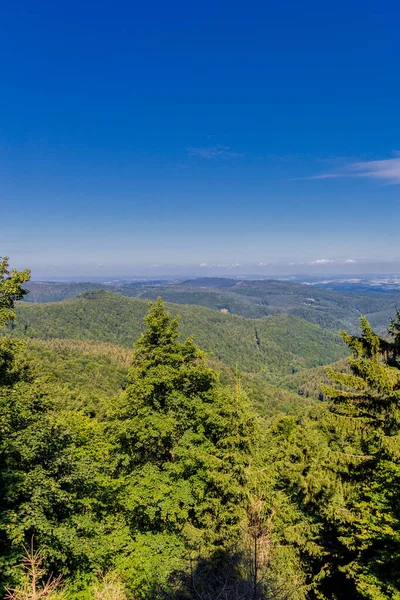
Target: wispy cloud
{"points": [[387, 170], [321, 261], [209, 152], [325, 261]]}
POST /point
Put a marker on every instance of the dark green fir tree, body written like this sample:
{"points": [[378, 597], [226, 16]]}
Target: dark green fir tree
{"points": [[366, 408], [183, 447]]}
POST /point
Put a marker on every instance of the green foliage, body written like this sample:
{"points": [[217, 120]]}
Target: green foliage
{"points": [[308, 382], [369, 398], [11, 290], [340, 467], [273, 346], [367, 406], [92, 374], [305, 452], [183, 444], [53, 481], [84, 375], [154, 468], [147, 484], [251, 299]]}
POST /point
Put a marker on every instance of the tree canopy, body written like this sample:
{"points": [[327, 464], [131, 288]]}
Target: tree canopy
{"points": [[11, 290], [149, 474]]}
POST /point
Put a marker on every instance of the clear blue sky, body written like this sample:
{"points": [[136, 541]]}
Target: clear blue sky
{"points": [[135, 134]]}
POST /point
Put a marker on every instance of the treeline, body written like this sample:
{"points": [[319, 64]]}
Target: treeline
{"points": [[176, 488]]}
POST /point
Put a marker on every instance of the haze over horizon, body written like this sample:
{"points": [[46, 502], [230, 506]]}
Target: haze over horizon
{"points": [[200, 139], [323, 269]]}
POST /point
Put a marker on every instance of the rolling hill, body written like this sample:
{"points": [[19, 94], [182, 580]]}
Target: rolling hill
{"points": [[273, 346], [252, 299]]}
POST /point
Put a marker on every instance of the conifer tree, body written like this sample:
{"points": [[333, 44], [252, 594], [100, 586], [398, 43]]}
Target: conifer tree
{"points": [[339, 467], [11, 290], [183, 446], [370, 394], [366, 409], [11, 351]]}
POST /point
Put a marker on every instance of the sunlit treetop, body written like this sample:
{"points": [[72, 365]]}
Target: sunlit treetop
{"points": [[11, 290]]}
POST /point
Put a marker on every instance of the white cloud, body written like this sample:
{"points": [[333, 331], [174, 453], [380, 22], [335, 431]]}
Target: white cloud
{"points": [[387, 170], [321, 261], [349, 261]]}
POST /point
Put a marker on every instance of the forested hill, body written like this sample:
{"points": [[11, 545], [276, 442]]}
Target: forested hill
{"points": [[252, 299], [157, 472], [275, 345]]}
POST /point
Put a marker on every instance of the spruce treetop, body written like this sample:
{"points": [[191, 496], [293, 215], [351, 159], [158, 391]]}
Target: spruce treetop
{"points": [[370, 394], [161, 364], [161, 329]]}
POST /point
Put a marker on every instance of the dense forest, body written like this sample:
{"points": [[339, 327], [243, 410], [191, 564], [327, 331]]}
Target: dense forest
{"points": [[228, 465], [251, 299], [275, 345]]}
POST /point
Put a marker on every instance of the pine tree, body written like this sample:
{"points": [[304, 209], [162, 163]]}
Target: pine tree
{"points": [[183, 446], [338, 465], [366, 409], [370, 394]]}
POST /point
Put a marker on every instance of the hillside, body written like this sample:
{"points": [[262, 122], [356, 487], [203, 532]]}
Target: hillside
{"points": [[274, 346], [98, 371], [252, 299], [139, 473], [91, 366], [308, 382]]}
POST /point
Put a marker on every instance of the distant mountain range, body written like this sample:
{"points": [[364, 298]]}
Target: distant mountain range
{"points": [[314, 301]]}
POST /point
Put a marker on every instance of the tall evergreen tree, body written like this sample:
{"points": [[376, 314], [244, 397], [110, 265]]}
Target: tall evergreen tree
{"points": [[183, 446], [11, 351], [366, 407], [338, 465]]}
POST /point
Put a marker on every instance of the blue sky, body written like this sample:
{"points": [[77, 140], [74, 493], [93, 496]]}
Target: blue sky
{"points": [[139, 137]]}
